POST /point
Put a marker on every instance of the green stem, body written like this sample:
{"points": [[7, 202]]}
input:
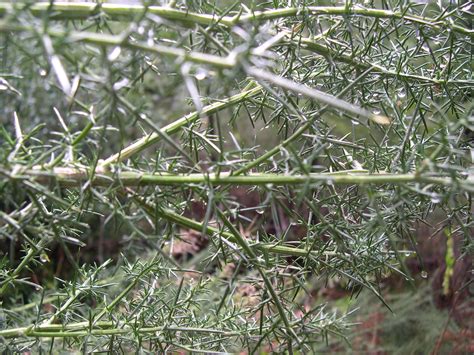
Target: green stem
{"points": [[82, 329], [50, 299], [235, 237], [99, 39], [72, 10], [348, 11], [182, 221], [79, 290], [74, 177], [348, 58], [32, 252], [124, 293], [300, 131], [175, 126], [242, 241], [83, 10], [316, 95]]}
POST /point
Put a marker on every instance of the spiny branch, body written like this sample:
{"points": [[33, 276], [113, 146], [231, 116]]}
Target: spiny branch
{"points": [[81, 10], [75, 176]]}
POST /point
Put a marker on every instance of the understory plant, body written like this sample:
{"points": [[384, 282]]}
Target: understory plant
{"points": [[185, 176]]}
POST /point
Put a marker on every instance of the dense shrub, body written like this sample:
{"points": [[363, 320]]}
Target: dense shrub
{"points": [[188, 176]]}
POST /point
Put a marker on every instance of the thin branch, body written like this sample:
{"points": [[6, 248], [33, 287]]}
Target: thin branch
{"points": [[100, 39], [316, 95], [175, 126], [185, 222], [32, 252], [348, 58], [300, 131]]}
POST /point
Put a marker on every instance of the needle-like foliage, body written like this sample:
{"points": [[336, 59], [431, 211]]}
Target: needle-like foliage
{"points": [[132, 138]]}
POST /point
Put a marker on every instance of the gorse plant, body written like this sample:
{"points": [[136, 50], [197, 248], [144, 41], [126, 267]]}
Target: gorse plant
{"points": [[134, 136]]}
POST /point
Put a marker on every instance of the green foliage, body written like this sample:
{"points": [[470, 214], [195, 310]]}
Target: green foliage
{"points": [[133, 138]]}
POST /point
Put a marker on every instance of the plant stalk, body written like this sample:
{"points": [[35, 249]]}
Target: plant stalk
{"points": [[175, 126], [74, 177], [83, 10], [82, 329], [100, 39]]}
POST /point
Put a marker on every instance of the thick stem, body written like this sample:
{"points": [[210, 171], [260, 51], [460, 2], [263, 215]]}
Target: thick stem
{"points": [[84, 10], [74, 177], [81, 10], [82, 329]]}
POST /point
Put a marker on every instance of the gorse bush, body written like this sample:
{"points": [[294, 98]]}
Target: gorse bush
{"points": [[182, 176]]}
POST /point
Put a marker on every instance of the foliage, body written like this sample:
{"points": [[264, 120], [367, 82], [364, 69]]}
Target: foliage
{"points": [[130, 131]]}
